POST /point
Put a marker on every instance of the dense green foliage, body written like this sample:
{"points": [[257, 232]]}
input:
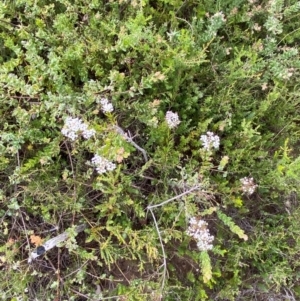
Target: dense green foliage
{"points": [[228, 67]]}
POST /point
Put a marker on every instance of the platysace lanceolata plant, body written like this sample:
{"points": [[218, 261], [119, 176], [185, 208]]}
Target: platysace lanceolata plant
{"points": [[225, 71]]}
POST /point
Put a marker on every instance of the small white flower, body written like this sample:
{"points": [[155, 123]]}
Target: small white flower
{"points": [[110, 166], [74, 127], [264, 86], [87, 134], [69, 134], [102, 165], [172, 119], [228, 50], [219, 15], [256, 27], [210, 140], [198, 230], [248, 185], [106, 106]]}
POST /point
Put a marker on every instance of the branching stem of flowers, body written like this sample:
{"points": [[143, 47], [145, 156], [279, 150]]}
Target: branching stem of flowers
{"points": [[129, 139]]}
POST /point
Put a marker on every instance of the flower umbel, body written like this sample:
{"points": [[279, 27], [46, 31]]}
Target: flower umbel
{"points": [[248, 185], [102, 165], [219, 15], [210, 140], [106, 106], [172, 119], [74, 127], [198, 230]]}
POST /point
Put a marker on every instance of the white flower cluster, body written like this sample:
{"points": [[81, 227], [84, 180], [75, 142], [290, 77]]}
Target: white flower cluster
{"points": [[220, 15], [198, 230], [248, 185], [210, 140], [75, 127], [106, 106], [172, 119], [102, 165]]}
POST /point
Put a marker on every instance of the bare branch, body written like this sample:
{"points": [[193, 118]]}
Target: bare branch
{"points": [[174, 198], [162, 249], [129, 139]]}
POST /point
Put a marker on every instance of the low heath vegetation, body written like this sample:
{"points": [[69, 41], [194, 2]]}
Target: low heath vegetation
{"points": [[169, 130]]}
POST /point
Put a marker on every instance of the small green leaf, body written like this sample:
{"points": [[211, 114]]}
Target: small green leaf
{"points": [[205, 267], [232, 226]]}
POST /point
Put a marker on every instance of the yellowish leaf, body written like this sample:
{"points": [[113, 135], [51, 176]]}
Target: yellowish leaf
{"points": [[36, 240], [238, 202], [206, 267]]}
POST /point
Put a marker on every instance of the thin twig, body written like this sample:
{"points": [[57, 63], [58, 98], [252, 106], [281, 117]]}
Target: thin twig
{"points": [[80, 294], [18, 158], [129, 139], [8, 23], [74, 178], [158, 232], [51, 230], [58, 275], [174, 198], [88, 298], [289, 296], [20, 212], [52, 265], [191, 27], [112, 297], [162, 249], [76, 271], [122, 274]]}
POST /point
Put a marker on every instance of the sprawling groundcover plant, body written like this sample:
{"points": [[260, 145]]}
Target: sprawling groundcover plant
{"points": [[167, 132]]}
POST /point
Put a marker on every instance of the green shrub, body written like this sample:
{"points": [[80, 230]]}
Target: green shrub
{"points": [[225, 154]]}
